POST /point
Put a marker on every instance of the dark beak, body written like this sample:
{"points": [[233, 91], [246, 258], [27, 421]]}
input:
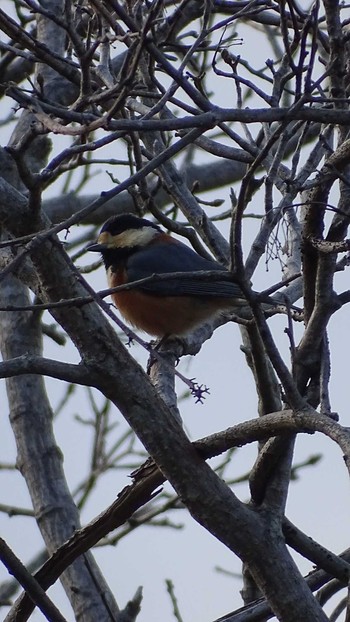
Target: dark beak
{"points": [[95, 248]]}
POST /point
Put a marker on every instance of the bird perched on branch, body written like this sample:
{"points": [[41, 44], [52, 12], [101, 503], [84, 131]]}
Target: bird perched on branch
{"points": [[134, 248]]}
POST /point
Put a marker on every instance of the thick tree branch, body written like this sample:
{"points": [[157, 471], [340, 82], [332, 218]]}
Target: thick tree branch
{"points": [[31, 364]]}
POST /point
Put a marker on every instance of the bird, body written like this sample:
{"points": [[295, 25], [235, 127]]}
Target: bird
{"points": [[135, 248]]}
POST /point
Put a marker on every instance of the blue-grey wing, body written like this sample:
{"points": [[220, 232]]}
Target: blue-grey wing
{"points": [[163, 258]]}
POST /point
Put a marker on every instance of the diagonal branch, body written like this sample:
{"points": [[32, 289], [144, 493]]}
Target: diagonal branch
{"points": [[31, 585]]}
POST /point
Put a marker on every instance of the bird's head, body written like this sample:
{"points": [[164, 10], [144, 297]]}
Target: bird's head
{"points": [[125, 233]]}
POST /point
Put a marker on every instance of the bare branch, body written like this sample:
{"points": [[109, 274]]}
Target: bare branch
{"points": [[31, 586]]}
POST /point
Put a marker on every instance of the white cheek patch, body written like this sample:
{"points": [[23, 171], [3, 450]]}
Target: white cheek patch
{"points": [[135, 237]]}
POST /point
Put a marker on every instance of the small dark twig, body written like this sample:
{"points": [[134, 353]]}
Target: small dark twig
{"points": [[170, 589], [30, 585]]}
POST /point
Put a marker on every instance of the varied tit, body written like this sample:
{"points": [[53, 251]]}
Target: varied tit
{"points": [[133, 248]]}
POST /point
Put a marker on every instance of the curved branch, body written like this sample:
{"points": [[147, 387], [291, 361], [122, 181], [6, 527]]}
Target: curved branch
{"points": [[32, 364]]}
